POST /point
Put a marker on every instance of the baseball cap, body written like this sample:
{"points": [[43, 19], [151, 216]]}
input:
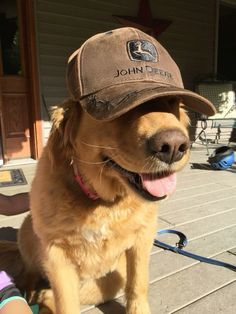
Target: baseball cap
{"points": [[118, 70]]}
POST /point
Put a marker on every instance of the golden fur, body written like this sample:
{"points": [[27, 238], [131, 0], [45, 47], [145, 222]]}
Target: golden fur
{"points": [[90, 250]]}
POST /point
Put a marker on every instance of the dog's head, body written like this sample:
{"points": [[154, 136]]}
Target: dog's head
{"points": [[131, 136], [137, 153]]}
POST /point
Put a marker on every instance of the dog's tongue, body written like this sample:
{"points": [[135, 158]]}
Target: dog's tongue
{"points": [[159, 187]]}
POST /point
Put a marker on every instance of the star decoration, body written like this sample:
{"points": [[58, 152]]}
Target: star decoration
{"points": [[144, 20]]}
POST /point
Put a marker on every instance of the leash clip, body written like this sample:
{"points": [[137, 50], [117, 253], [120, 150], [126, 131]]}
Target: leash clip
{"points": [[183, 241]]}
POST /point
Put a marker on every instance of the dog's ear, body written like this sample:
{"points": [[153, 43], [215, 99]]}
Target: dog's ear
{"points": [[65, 121]]}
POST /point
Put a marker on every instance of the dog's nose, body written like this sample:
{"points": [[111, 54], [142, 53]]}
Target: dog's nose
{"points": [[169, 145]]}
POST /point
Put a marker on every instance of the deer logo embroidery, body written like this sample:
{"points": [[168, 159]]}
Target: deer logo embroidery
{"points": [[142, 50]]}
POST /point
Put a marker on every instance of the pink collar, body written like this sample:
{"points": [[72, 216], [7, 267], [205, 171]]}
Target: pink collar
{"points": [[78, 178]]}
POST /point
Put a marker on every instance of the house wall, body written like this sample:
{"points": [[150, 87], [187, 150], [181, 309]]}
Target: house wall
{"points": [[63, 25]]}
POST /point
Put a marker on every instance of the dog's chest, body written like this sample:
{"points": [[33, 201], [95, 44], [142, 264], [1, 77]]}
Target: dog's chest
{"points": [[94, 235], [105, 232], [99, 243]]}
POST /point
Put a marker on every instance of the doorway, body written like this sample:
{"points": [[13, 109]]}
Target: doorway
{"points": [[226, 67], [19, 111]]}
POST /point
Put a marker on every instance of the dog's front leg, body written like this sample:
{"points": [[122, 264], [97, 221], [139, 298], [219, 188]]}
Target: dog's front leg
{"points": [[137, 278], [64, 281]]}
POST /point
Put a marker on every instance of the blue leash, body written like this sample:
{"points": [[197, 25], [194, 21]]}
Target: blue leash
{"points": [[183, 241]]}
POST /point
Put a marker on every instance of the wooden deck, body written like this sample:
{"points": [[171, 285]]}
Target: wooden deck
{"points": [[204, 208]]}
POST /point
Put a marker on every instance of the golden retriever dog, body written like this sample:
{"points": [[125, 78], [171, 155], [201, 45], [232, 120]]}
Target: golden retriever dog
{"points": [[90, 249], [98, 183]]}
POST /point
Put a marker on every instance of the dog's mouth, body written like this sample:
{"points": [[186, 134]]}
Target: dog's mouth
{"points": [[151, 186]]}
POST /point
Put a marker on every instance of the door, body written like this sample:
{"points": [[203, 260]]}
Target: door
{"points": [[226, 67], [16, 121]]}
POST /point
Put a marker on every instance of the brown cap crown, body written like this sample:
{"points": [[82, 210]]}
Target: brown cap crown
{"points": [[116, 71]]}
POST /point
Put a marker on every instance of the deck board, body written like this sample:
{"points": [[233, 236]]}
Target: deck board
{"points": [[219, 301], [204, 208]]}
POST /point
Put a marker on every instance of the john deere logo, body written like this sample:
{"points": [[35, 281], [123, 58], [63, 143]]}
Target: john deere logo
{"points": [[142, 50]]}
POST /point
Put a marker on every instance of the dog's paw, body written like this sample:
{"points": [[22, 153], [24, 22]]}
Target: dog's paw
{"points": [[137, 307]]}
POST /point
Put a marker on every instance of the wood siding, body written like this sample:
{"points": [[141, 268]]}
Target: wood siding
{"points": [[63, 25]]}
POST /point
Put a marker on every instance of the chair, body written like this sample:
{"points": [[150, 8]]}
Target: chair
{"points": [[222, 95]]}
